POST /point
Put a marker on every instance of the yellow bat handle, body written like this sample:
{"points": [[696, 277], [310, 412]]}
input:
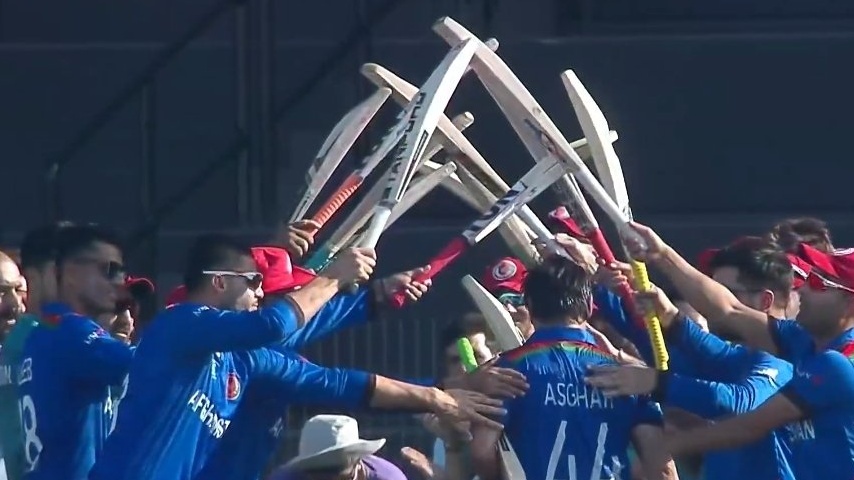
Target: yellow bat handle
{"points": [[653, 326]]}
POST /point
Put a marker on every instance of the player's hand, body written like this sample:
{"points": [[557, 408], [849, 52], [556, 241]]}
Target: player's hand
{"points": [[655, 301], [613, 275], [619, 381], [583, 253], [440, 428], [420, 463], [497, 382], [405, 282], [459, 406], [650, 247], [122, 326], [354, 265], [299, 237]]}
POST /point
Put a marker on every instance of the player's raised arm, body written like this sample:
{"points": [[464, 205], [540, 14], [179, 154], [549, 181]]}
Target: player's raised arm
{"points": [[312, 384], [713, 300]]}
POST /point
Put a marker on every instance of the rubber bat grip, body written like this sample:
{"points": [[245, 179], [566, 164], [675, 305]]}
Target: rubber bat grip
{"points": [[653, 325], [448, 254]]}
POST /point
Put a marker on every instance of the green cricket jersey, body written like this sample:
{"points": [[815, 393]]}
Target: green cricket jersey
{"points": [[11, 434]]}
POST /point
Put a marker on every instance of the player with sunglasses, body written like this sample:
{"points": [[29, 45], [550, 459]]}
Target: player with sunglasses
{"points": [[70, 363], [817, 406]]}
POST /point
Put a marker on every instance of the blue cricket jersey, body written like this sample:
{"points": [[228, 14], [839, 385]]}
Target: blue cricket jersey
{"points": [[712, 378], [760, 375], [563, 428], [823, 387], [256, 427], [184, 387], [68, 366]]}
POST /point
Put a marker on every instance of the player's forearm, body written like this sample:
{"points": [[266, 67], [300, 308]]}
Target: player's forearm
{"points": [[391, 394], [311, 298], [709, 353], [485, 458], [455, 466], [708, 399]]}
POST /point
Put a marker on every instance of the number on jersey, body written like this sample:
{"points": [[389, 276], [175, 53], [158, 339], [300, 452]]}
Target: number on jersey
{"points": [[32, 444], [572, 470]]}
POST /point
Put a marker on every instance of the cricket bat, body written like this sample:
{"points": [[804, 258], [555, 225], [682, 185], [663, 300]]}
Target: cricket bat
{"points": [[533, 183], [335, 147], [424, 113], [360, 215], [417, 190], [595, 127], [508, 337]]}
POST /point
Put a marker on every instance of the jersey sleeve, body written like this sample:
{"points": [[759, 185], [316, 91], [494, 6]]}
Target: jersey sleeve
{"points": [[648, 412], [710, 399], [611, 308], [94, 355], [342, 311], [708, 353], [205, 330], [824, 381], [297, 380]]}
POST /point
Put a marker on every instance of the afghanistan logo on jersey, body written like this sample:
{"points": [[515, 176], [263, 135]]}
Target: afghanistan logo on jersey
{"points": [[232, 387]]}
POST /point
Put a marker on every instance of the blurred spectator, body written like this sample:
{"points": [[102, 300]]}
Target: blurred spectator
{"points": [[330, 449]]}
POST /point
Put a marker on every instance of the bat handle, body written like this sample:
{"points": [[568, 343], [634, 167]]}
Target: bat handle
{"points": [[347, 189], [448, 254], [653, 325], [600, 244]]}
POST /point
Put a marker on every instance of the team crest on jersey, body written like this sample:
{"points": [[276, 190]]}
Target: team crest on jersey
{"points": [[503, 270], [232, 387]]}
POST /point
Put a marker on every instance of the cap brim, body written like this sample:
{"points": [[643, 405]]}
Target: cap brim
{"points": [[818, 259]]}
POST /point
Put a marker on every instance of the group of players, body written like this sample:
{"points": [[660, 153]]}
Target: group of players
{"points": [[199, 391]]}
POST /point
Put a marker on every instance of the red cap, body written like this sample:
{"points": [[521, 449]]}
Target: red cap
{"points": [[801, 269], [839, 264], [561, 219], [505, 274], [178, 295], [280, 275], [139, 285]]}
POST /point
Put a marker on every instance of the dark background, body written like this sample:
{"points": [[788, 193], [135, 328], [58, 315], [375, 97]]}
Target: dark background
{"points": [[731, 114]]}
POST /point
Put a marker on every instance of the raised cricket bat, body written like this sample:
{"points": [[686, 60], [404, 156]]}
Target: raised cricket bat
{"points": [[335, 147], [360, 215], [516, 101], [533, 183], [595, 127], [424, 113], [508, 337], [417, 190]]}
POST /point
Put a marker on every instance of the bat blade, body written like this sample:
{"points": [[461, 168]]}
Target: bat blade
{"points": [[595, 127], [336, 146], [508, 337]]}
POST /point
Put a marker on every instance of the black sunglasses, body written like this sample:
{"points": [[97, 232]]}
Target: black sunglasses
{"points": [[253, 279], [113, 271]]}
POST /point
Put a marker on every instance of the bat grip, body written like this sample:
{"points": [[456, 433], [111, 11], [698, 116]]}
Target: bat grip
{"points": [[653, 325], [345, 191], [600, 244], [448, 254]]}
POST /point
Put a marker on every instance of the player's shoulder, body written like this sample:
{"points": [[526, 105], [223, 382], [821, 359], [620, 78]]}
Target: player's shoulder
{"points": [[569, 349]]}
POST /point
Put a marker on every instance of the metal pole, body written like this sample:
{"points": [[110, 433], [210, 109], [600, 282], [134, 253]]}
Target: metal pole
{"points": [[241, 83], [266, 102], [148, 179]]}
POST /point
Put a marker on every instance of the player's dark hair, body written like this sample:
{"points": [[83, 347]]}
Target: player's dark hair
{"points": [[760, 265], [212, 251], [791, 232], [558, 289], [75, 240], [39, 246]]}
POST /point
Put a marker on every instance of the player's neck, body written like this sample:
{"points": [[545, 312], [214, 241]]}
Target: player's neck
{"points": [[565, 322], [202, 298], [778, 312]]}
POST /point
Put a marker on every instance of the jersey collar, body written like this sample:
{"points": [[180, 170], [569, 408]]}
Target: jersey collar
{"points": [[562, 334]]}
